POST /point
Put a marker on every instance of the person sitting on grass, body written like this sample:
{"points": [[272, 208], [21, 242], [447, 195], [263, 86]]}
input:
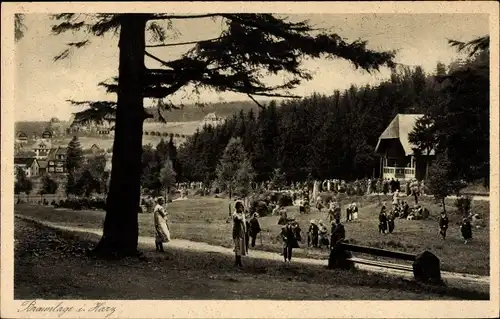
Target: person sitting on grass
{"points": [[289, 240], [443, 224], [161, 226], [354, 212], [239, 232], [466, 229]]}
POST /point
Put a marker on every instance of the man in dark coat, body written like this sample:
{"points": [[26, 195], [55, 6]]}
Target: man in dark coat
{"points": [[289, 241], [338, 256], [254, 228], [443, 224], [390, 222]]}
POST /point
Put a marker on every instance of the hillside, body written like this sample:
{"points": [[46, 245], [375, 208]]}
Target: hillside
{"points": [[191, 112]]}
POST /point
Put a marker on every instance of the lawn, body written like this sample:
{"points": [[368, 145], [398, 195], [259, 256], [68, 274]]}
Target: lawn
{"points": [[51, 264], [205, 219]]}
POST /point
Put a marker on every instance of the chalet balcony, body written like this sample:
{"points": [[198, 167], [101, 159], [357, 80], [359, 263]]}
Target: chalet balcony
{"points": [[404, 173]]}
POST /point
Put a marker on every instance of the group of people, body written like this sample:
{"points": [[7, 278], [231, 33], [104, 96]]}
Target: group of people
{"points": [[465, 226]]}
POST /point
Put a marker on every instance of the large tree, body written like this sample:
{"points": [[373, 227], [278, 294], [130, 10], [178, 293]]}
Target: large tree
{"points": [[250, 46]]}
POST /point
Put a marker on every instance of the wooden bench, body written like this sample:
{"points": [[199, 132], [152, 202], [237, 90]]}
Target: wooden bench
{"points": [[425, 266]]}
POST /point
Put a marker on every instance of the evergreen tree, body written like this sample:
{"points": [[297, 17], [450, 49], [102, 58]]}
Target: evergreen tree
{"points": [[167, 177], [74, 155], [249, 45], [235, 171], [49, 185], [441, 182]]}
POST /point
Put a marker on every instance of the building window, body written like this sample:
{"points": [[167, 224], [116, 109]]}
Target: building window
{"points": [[51, 169], [51, 163], [59, 169]]}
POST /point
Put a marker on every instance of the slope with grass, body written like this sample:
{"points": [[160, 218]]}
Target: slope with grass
{"points": [[50, 264], [205, 220]]}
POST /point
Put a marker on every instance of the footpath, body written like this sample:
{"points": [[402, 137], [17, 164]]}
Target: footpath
{"points": [[450, 277]]}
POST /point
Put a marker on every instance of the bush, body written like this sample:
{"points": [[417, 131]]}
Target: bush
{"points": [[285, 200], [326, 197], [464, 204]]}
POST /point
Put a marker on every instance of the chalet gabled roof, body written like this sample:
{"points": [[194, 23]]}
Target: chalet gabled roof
{"points": [[399, 128]]}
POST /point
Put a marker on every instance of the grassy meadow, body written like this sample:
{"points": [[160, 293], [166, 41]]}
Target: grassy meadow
{"points": [[180, 274], [204, 219]]}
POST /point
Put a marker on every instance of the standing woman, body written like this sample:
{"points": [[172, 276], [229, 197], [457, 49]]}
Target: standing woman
{"points": [[239, 233], [161, 227]]}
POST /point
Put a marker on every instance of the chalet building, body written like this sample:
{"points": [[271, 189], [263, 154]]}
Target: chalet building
{"points": [[22, 138], [57, 160], [397, 157], [29, 165], [42, 149], [212, 119]]}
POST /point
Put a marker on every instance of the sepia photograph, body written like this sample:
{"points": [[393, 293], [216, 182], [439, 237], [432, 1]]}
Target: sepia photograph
{"points": [[248, 152]]}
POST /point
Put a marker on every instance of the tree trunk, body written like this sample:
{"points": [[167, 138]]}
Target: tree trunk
{"points": [[444, 205], [121, 230]]}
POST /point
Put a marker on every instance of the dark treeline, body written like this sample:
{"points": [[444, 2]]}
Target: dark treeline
{"points": [[335, 136]]}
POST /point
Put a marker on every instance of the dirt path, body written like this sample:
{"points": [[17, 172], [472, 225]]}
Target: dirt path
{"points": [[204, 247]]}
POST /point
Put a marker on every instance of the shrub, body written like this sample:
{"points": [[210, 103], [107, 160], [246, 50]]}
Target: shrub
{"points": [[285, 200], [463, 204]]}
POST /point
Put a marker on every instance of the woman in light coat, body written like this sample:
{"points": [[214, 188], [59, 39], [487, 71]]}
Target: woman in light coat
{"points": [[239, 233], [161, 226]]}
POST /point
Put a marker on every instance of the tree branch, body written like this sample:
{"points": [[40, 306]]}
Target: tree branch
{"points": [[256, 102], [191, 16], [181, 43]]}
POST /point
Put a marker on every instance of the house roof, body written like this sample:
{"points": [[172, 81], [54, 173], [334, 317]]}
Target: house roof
{"points": [[22, 135], [42, 164], [28, 161], [399, 128], [56, 151]]}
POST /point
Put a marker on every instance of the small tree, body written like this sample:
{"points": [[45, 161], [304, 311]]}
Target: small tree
{"points": [[234, 169], [22, 184], [425, 138], [49, 185], [441, 183], [167, 177], [278, 179]]}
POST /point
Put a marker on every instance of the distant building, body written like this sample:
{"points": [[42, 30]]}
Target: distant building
{"points": [[47, 135], [57, 160], [22, 138], [30, 166], [213, 120], [42, 149], [43, 166], [397, 157], [95, 149]]}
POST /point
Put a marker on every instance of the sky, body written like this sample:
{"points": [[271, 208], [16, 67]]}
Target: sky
{"points": [[42, 86]]}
